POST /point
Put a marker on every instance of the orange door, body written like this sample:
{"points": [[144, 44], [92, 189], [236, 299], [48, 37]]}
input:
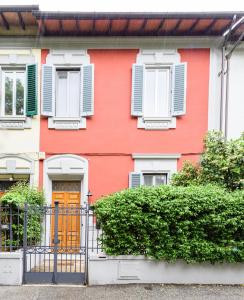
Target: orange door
{"points": [[1, 194], [68, 221]]}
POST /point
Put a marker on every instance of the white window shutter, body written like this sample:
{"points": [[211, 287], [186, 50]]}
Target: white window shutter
{"points": [[87, 90], [138, 75], [135, 179], [179, 89], [48, 90], [1, 89]]}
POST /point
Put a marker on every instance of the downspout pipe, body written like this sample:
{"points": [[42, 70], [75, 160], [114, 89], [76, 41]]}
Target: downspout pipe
{"points": [[226, 35], [222, 88]]}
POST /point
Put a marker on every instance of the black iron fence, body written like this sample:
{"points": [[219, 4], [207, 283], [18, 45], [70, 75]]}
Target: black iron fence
{"points": [[11, 228], [38, 226], [55, 240]]}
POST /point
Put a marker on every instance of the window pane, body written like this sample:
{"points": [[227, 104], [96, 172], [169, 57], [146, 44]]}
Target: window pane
{"points": [[148, 179], [61, 96], [162, 105], [8, 94], [160, 179], [156, 101], [149, 100], [74, 94], [20, 79]]}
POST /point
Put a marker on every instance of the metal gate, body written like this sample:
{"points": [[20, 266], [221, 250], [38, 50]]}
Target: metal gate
{"points": [[58, 251]]}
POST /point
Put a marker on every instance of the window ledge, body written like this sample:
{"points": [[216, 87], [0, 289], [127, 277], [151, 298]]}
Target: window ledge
{"points": [[155, 123], [15, 122], [66, 123]]}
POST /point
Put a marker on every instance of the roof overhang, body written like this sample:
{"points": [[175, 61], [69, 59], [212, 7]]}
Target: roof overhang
{"points": [[30, 21]]}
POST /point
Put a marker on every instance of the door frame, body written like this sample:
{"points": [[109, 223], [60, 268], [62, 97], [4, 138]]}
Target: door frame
{"points": [[66, 167]]}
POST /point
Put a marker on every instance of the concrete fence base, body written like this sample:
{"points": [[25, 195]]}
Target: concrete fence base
{"points": [[11, 268], [138, 269]]}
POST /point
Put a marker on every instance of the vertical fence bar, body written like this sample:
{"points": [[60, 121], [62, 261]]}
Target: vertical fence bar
{"points": [[0, 228], [25, 242], [10, 228], [86, 242], [56, 241], [18, 237]]}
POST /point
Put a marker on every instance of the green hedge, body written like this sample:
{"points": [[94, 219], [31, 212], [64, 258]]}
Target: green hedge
{"points": [[196, 223]]}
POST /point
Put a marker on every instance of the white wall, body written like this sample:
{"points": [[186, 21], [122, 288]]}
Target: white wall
{"points": [[236, 95], [11, 268], [214, 89], [24, 141], [126, 269]]}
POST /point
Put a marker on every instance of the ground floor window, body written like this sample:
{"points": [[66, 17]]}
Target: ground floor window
{"points": [[7, 181], [154, 179]]}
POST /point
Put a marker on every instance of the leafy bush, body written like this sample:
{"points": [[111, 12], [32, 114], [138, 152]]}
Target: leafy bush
{"points": [[20, 193], [17, 196], [222, 163], [195, 223]]}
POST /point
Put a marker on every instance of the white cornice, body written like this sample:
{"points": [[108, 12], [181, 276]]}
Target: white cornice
{"points": [[110, 42], [156, 156]]}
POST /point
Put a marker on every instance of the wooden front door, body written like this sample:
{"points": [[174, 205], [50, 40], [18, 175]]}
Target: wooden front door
{"points": [[68, 221]]}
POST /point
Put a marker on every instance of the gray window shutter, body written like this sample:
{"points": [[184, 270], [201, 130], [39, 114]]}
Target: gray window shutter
{"points": [[179, 89], [138, 75], [87, 90], [135, 179], [48, 90]]}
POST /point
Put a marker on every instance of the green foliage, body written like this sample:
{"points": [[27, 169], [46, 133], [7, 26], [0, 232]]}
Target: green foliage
{"points": [[195, 223], [20, 193], [17, 196], [188, 175], [222, 163]]}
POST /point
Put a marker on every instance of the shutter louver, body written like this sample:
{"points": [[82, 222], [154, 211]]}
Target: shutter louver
{"points": [[31, 94], [135, 180], [1, 91], [48, 86], [179, 90], [138, 74], [87, 90]]}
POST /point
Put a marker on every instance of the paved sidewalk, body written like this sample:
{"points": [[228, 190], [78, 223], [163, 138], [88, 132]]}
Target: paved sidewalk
{"points": [[128, 292]]}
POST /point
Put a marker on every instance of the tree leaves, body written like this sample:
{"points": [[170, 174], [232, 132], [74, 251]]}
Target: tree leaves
{"points": [[221, 163]]}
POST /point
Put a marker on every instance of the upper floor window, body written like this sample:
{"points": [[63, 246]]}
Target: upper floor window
{"points": [[18, 96], [157, 92], [67, 93], [13, 92], [158, 88]]}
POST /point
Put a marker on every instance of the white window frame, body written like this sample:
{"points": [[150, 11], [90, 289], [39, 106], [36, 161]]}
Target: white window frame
{"points": [[155, 173], [158, 58], [65, 123], [156, 163], [16, 59], [68, 68], [158, 67], [13, 116], [60, 58]]}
